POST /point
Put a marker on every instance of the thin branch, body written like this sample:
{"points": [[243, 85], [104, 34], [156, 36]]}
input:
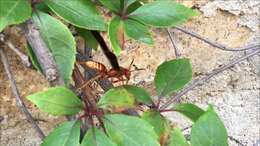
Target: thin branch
{"points": [[215, 44], [176, 50], [25, 59], [236, 141], [20, 104], [202, 80]]}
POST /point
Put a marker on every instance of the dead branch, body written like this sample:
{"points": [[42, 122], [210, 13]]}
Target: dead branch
{"points": [[176, 50], [19, 103], [25, 59], [236, 141], [215, 44], [43, 54], [22, 56], [202, 80]]}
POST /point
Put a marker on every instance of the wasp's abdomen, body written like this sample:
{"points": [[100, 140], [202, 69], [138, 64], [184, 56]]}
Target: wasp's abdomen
{"points": [[96, 66]]}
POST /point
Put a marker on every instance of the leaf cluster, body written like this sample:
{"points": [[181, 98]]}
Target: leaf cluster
{"points": [[133, 19], [148, 127]]}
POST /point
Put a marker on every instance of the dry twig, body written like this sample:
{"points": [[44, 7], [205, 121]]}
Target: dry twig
{"points": [[236, 141], [215, 44], [176, 50], [20, 104], [201, 80], [25, 59]]}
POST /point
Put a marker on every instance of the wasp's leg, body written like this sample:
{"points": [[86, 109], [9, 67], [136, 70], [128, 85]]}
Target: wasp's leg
{"points": [[119, 80], [88, 82]]}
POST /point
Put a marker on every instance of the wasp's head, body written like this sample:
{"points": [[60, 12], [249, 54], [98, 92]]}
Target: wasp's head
{"points": [[126, 73]]}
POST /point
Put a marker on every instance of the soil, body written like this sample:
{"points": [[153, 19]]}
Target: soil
{"points": [[234, 93]]}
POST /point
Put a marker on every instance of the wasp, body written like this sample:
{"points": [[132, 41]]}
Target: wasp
{"points": [[116, 72], [116, 75], [112, 73]]}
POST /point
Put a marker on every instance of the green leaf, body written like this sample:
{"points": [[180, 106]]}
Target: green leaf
{"points": [[189, 110], [113, 5], [117, 98], [159, 123], [57, 101], [209, 130], [60, 42], [137, 31], [96, 137], [131, 8], [88, 37], [177, 138], [81, 13], [172, 75], [130, 131], [14, 12], [140, 95], [147, 1], [66, 134], [43, 8], [116, 33], [124, 97], [129, 2], [164, 13], [33, 58]]}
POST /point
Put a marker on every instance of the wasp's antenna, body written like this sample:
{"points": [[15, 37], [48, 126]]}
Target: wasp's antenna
{"points": [[136, 68], [132, 62], [128, 70]]}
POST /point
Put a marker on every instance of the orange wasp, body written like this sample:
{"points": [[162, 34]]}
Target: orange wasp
{"points": [[121, 74], [118, 72]]}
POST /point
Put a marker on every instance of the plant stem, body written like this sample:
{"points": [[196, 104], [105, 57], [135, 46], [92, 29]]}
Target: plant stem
{"points": [[176, 50]]}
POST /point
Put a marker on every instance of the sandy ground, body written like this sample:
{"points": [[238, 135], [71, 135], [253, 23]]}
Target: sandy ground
{"points": [[234, 93]]}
